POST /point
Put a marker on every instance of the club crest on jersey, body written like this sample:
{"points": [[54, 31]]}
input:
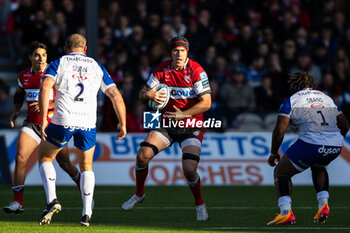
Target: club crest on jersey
{"points": [[188, 78]]}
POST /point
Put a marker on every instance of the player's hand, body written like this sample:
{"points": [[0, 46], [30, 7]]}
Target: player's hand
{"points": [[122, 131], [157, 96], [13, 118], [177, 115], [272, 159], [35, 107], [43, 127]]}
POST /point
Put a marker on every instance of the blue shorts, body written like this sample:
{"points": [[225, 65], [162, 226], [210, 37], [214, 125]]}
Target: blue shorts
{"points": [[304, 155], [58, 135]]}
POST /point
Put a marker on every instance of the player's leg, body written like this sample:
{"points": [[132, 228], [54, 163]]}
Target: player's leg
{"points": [[57, 138], [65, 163], [155, 142], [85, 141], [27, 142], [87, 183], [283, 186], [47, 153], [321, 183], [190, 159]]}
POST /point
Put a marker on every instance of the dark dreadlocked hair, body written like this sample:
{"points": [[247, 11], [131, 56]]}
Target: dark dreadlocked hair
{"points": [[301, 80]]}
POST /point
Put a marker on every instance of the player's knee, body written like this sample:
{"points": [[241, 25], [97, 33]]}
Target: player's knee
{"points": [[148, 148], [190, 156], [86, 166], [146, 153], [277, 172], [64, 164], [21, 159]]}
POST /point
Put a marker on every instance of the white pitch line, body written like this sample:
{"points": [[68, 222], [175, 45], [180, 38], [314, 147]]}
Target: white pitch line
{"points": [[192, 207], [276, 228]]}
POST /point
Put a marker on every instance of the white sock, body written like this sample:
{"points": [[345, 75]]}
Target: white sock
{"points": [[322, 198], [285, 204], [87, 185], [48, 176]]}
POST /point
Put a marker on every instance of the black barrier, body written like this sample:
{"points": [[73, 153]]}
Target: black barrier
{"points": [[5, 177]]}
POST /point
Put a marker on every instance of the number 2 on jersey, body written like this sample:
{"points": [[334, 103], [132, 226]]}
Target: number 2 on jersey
{"points": [[323, 119], [77, 98]]}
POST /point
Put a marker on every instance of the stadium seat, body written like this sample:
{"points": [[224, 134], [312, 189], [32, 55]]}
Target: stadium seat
{"points": [[248, 122]]}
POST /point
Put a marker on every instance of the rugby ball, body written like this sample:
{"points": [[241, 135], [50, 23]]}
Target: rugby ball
{"points": [[156, 106]]}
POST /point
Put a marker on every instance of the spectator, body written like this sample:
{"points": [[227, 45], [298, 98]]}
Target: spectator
{"points": [[304, 63], [123, 29], [255, 71], [247, 44], [178, 28], [208, 61], [266, 99], [237, 96], [288, 55], [329, 87], [234, 61], [220, 73]]}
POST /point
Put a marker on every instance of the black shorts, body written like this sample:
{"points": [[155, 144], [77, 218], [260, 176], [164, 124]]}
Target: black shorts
{"points": [[184, 136], [32, 129]]}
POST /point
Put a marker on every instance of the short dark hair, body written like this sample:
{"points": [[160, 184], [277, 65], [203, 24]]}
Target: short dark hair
{"points": [[36, 45], [301, 80]]}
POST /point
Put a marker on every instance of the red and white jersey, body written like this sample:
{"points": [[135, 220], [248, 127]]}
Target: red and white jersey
{"points": [[185, 85], [31, 83]]}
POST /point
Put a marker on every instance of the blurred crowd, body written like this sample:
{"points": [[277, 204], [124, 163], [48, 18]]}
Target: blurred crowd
{"points": [[247, 47]]}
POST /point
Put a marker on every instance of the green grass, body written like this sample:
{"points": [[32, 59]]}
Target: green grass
{"points": [[170, 209]]}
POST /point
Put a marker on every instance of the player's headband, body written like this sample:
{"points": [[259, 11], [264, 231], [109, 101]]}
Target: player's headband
{"points": [[177, 43]]}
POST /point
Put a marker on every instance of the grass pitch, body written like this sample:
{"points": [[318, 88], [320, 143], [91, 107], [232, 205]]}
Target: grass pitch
{"points": [[171, 209]]}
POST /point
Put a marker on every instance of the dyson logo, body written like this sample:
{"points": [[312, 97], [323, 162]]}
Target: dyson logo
{"points": [[326, 151]]}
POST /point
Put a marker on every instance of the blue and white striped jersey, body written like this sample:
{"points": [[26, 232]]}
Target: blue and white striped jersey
{"points": [[315, 116], [78, 78]]}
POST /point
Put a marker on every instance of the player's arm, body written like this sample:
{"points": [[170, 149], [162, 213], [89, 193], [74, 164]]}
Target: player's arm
{"points": [[119, 107], [342, 124], [36, 109], [202, 106], [277, 138], [18, 101], [147, 94], [44, 99]]}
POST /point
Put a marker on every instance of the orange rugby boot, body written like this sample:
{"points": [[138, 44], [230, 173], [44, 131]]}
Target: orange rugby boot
{"points": [[322, 214], [283, 220]]}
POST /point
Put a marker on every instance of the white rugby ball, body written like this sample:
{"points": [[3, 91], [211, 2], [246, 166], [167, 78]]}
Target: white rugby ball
{"points": [[156, 106]]}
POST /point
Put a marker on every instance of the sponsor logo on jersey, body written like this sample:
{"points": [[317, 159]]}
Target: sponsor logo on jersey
{"points": [[317, 106], [204, 78], [32, 94], [77, 76], [182, 93], [72, 128], [330, 150]]}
